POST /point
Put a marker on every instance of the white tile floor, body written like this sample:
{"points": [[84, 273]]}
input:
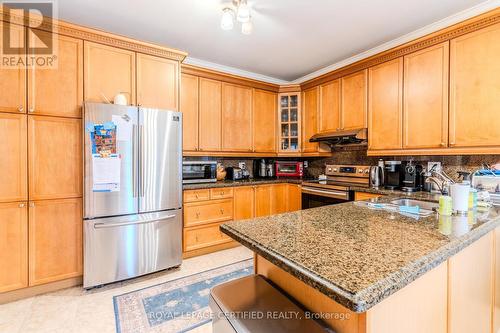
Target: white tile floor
{"points": [[76, 310]]}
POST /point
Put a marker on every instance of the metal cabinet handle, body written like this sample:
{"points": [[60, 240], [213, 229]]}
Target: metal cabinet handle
{"points": [[31, 110], [443, 144], [21, 205], [222, 210], [21, 108], [197, 196], [197, 214], [32, 204], [222, 193]]}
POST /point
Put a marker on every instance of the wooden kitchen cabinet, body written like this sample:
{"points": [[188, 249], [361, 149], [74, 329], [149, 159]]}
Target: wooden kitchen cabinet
{"points": [[206, 212], [425, 106], [264, 121], [13, 82], [108, 71], [279, 198], [54, 157], [189, 109], [385, 106], [244, 202], [262, 200], [58, 91], [204, 237], [157, 82], [13, 157], [55, 240], [329, 110], [289, 119], [294, 199], [13, 246], [210, 113], [475, 89], [354, 101], [236, 118], [310, 104]]}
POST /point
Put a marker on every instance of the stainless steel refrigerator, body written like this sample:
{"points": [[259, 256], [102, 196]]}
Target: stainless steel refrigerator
{"points": [[133, 192]]}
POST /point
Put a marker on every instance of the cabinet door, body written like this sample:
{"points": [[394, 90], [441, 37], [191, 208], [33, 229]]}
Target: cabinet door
{"points": [[264, 121], [294, 199], [470, 287], [13, 246], [108, 71], [475, 88], [189, 109], [329, 111], [244, 202], [13, 157], [54, 157], [236, 118], [58, 91], [426, 98], [13, 82], [279, 198], [55, 240], [353, 100], [263, 200], [157, 82], [385, 105], [310, 102], [210, 114]]}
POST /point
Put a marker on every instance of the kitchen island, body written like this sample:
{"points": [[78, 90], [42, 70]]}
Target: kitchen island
{"points": [[365, 270]]}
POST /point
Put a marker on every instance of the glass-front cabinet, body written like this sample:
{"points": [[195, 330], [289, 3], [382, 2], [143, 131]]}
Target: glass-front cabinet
{"points": [[289, 122]]}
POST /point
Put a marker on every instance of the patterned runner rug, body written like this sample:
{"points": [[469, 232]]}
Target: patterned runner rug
{"points": [[174, 306]]}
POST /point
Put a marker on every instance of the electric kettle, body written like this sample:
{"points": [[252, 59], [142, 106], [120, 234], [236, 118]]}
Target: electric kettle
{"points": [[376, 176]]}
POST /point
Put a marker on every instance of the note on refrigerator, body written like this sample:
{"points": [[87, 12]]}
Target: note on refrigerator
{"points": [[106, 173], [123, 127]]}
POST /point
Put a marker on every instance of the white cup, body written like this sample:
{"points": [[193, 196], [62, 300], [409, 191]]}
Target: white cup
{"points": [[460, 197]]}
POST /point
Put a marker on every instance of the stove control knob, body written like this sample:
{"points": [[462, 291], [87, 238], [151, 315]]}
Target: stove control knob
{"points": [[335, 170], [367, 171], [360, 171]]}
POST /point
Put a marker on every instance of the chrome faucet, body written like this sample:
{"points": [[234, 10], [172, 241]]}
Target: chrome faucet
{"points": [[441, 179]]}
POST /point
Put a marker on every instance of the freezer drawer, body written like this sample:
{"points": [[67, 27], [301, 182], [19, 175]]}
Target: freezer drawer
{"points": [[128, 246]]}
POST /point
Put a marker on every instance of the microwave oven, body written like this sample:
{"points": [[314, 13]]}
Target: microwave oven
{"points": [[199, 172], [289, 169]]}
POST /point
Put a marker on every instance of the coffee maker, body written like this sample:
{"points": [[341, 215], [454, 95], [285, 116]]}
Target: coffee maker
{"points": [[393, 175], [263, 168], [412, 177]]}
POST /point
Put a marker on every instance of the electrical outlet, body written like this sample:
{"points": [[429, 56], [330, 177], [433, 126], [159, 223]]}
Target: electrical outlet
{"points": [[242, 165], [430, 165]]}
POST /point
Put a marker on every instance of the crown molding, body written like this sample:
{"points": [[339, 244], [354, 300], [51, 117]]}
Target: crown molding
{"points": [[234, 71], [431, 28]]}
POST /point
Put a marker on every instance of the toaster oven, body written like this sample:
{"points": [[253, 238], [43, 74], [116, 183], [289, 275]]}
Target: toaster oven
{"points": [[289, 169]]}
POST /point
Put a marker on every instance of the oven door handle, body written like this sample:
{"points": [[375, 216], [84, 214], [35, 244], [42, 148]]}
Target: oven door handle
{"points": [[331, 194]]}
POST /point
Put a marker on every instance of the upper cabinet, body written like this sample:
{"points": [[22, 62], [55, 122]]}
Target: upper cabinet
{"points": [[264, 121], [354, 101], [385, 107], [189, 109], [108, 72], [289, 123], [310, 104], [426, 98], [13, 157], [57, 91], [157, 82], [13, 80], [210, 95], [475, 89], [236, 118], [329, 111]]}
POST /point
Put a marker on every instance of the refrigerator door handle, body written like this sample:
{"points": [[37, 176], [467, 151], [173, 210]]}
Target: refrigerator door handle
{"points": [[141, 160], [134, 166], [122, 224]]}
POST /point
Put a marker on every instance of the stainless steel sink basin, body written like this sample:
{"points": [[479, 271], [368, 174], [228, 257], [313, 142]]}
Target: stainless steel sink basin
{"points": [[412, 202]]}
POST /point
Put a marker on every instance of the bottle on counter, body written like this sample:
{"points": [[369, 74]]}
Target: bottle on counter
{"points": [[445, 205]]}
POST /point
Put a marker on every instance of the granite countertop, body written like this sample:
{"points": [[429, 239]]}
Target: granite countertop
{"points": [[245, 182], [356, 255]]}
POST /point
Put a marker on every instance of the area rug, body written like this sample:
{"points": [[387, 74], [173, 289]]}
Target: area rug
{"points": [[174, 306]]}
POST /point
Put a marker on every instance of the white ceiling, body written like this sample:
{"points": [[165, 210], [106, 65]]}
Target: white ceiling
{"points": [[291, 38]]}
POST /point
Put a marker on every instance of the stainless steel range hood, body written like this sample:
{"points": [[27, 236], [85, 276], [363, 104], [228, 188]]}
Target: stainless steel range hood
{"points": [[356, 139]]}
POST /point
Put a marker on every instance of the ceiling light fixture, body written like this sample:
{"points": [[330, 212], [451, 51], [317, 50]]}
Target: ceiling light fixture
{"points": [[240, 10]]}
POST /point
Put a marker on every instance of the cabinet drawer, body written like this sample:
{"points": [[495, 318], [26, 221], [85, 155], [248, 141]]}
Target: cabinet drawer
{"points": [[221, 193], [197, 238], [196, 195], [208, 212]]}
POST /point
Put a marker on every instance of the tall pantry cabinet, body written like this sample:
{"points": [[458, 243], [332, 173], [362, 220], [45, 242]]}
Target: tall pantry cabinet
{"points": [[40, 182]]}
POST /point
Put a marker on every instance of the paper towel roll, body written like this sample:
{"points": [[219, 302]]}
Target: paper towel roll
{"points": [[460, 197]]}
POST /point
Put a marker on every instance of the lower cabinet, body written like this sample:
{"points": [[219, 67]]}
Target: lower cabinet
{"points": [[206, 209], [13, 246], [55, 240]]}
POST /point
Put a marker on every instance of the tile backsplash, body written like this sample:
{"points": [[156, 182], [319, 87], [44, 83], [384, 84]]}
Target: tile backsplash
{"points": [[451, 164]]}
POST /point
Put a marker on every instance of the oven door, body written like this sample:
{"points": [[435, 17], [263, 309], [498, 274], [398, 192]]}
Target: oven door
{"points": [[317, 197]]}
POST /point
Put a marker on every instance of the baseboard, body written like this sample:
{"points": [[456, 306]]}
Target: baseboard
{"points": [[14, 295], [210, 249]]}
